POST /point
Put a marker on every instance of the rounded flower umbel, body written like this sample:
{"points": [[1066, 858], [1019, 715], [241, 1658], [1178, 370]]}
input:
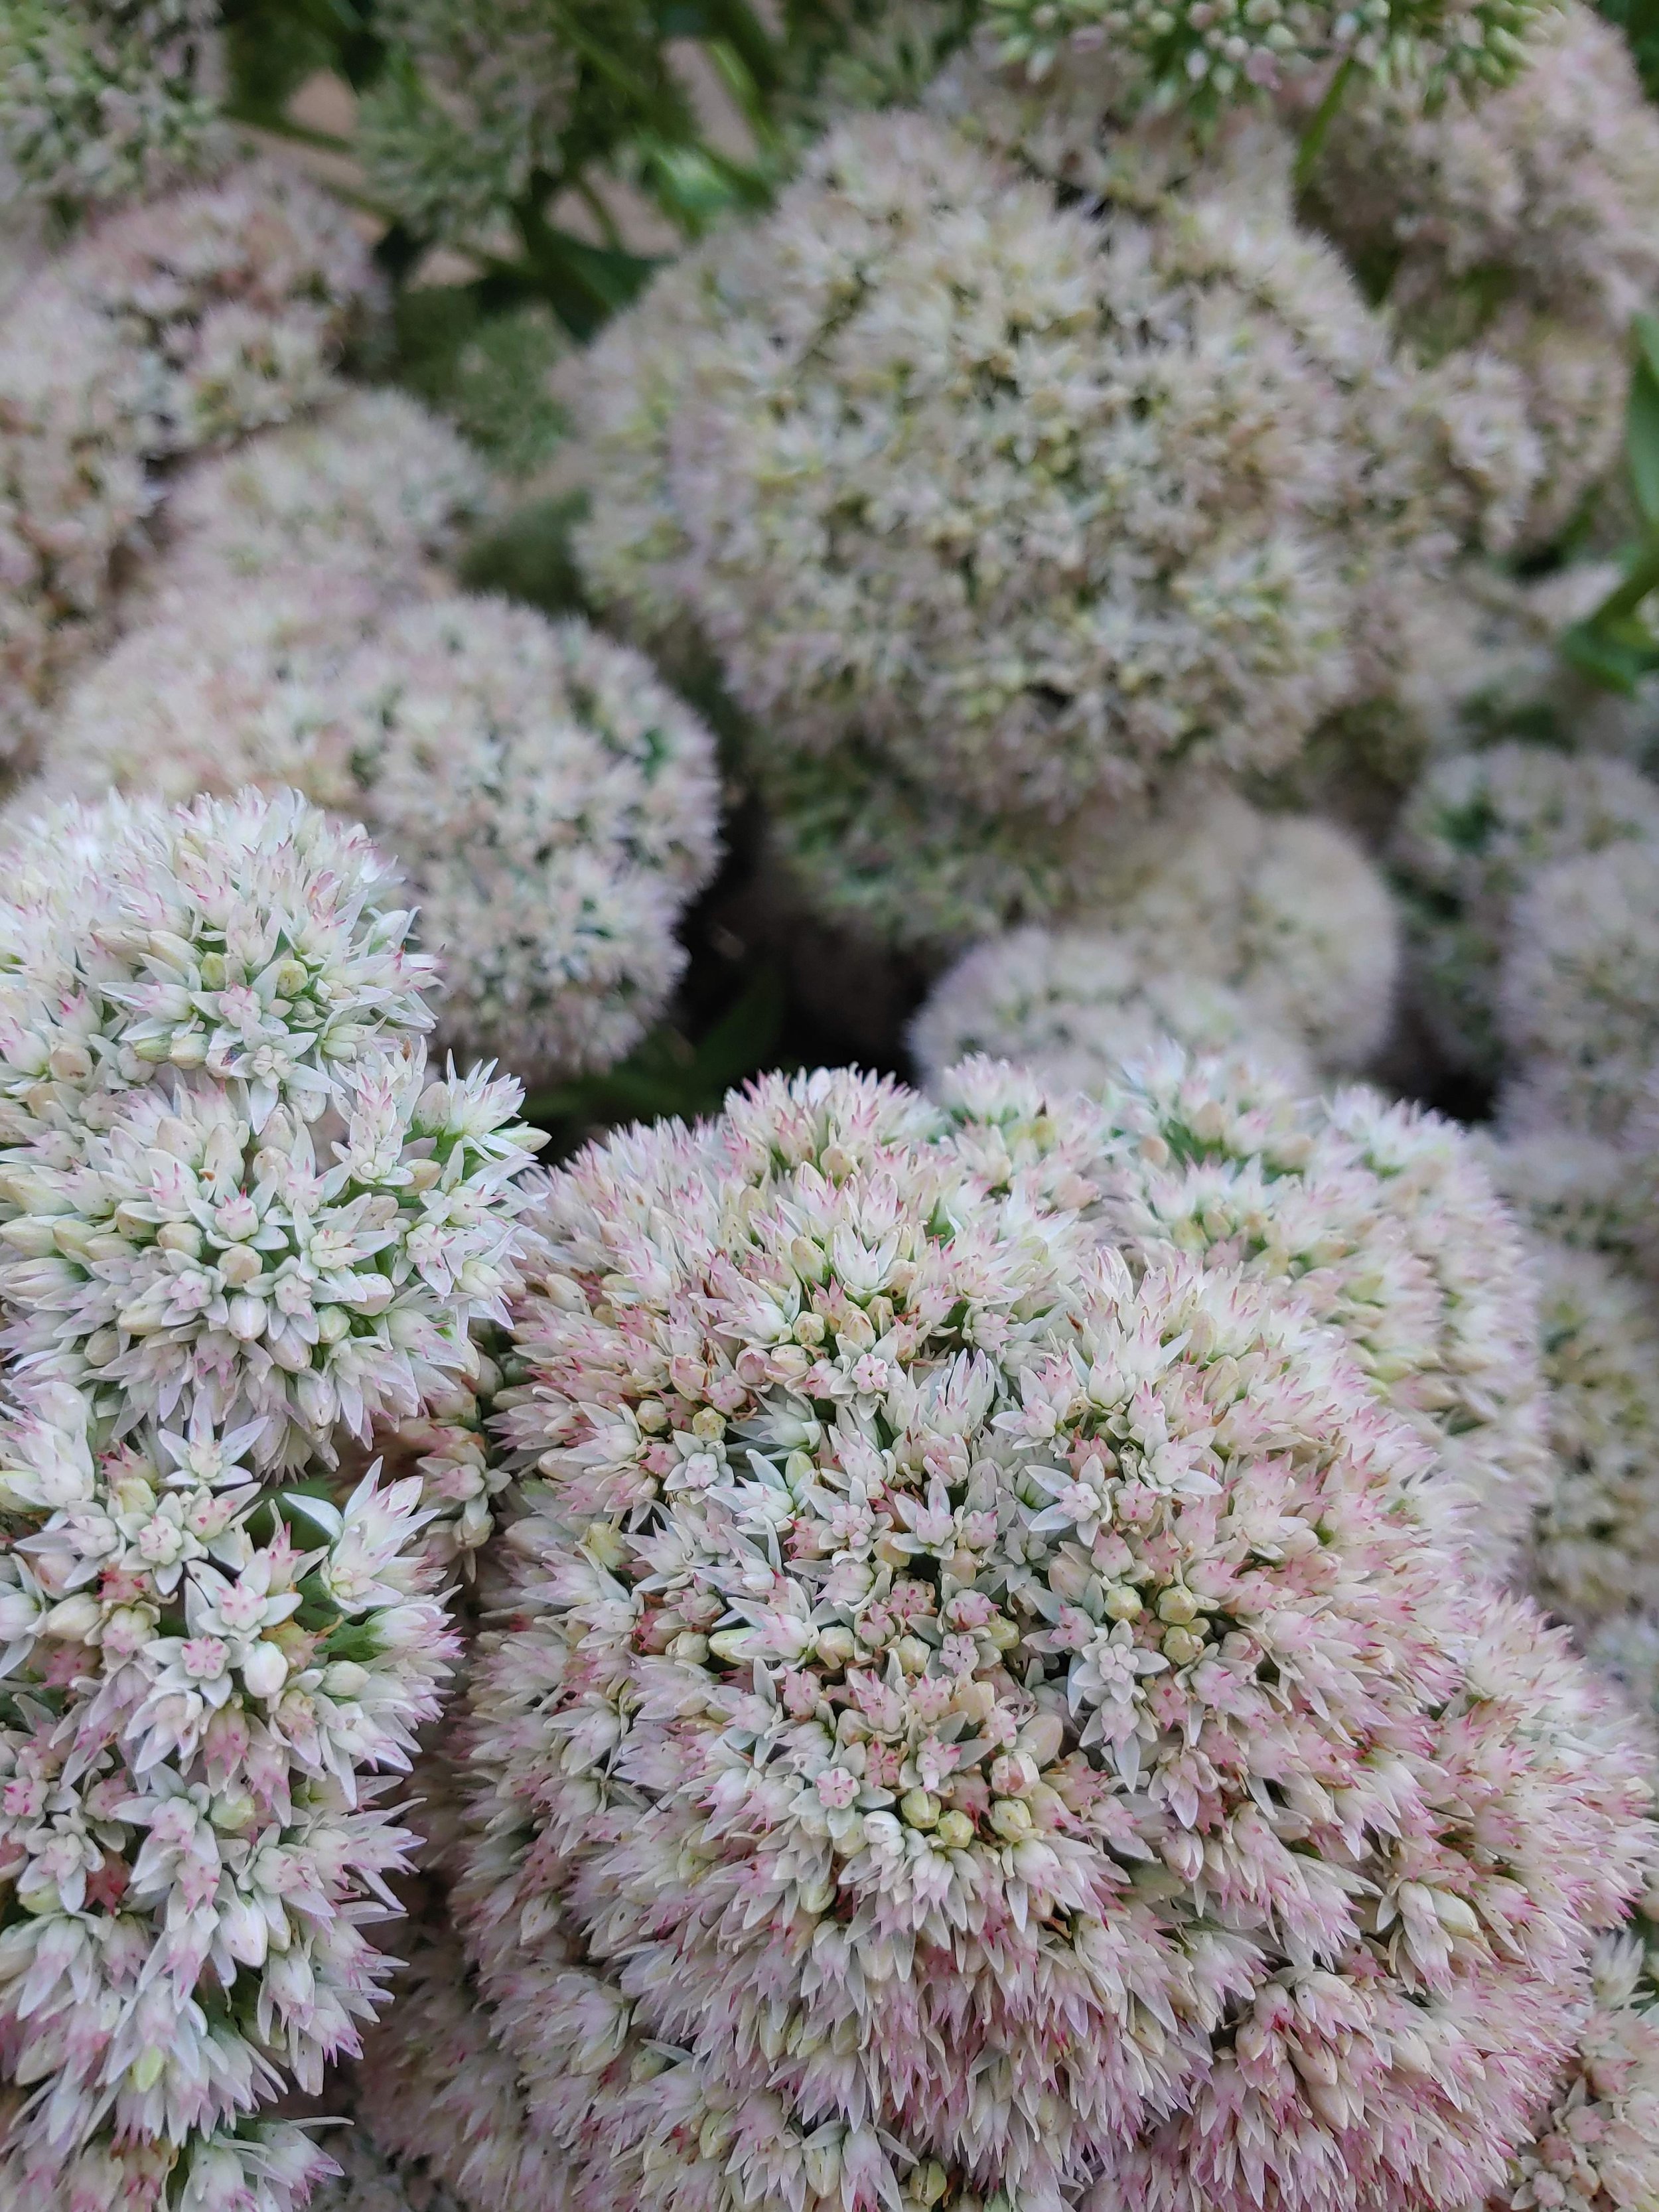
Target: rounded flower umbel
{"points": [[1206, 55], [232, 1192], [207, 1683], [979, 1717]]}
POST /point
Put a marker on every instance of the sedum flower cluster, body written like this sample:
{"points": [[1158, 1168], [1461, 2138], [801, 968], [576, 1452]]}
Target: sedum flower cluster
{"points": [[974, 494], [1382, 1219], [1205, 55], [176, 326], [1514, 232], [469, 108], [1579, 994], [375, 483], [240, 1221], [982, 1714], [554, 805], [105, 100], [1477, 830], [1230, 928]]}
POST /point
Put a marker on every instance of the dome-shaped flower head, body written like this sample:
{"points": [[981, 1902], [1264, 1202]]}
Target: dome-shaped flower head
{"points": [[1596, 1548], [107, 100], [271, 2165], [1579, 992], [553, 806], [1074, 1005], [231, 1191], [226, 686], [207, 1684], [976, 1717], [236, 297], [1031, 506], [375, 483], [1519, 225], [1380, 1218], [74, 489], [1229, 929], [469, 106], [1476, 830], [1205, 57], [180, 325]]}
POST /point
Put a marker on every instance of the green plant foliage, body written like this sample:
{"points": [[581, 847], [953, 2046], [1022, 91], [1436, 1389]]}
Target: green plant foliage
{"points": [[1618, 646]]}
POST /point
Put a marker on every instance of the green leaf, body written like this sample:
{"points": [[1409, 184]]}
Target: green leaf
{"points": [[1641, 444], [1617, 657]]}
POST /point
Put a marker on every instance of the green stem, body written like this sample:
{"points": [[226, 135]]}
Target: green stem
{"points": [[748, 36], [600, 213], [1314, 138]]}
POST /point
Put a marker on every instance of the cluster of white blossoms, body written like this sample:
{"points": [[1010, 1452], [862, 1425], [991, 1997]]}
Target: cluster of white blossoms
{"points": [[1478, 829], [375, 483], [983, 493], [1225, 928], [175, 326], [241, 1222], [553, 806], [1203, 55], [1579, 994], [104, 101], [983, 1715], [1516, 225], [470, 106]]}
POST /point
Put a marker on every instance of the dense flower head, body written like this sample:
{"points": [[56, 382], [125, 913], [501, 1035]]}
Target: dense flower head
{"points": [[1217, 925], [1578, 993], [205, 1682], [1518, 224], [1206, 56], [1380, 1218], [1074, 1004], [103, 101], [1597, 2149], [1569, 1189], [1597, 1541], [177, 326], [1032, 505], [977, 1716], [232, 1192], [553, 806], [374, 482], [470, 106], [73, 489], [1475, 831], [224, 687], [268, 2166]]}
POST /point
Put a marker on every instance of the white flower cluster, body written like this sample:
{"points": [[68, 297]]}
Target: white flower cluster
{"points": [[1231, 930], [239, 1220], [375, 483], [1579, 994], [1205, 55], [103, 101], [554, 805], [1518, 225], [980, 1715], [976, 494], [1382, 1217], [555, 808], [469, 108], [1474, 834], [231, 1192], [178, 325]]}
